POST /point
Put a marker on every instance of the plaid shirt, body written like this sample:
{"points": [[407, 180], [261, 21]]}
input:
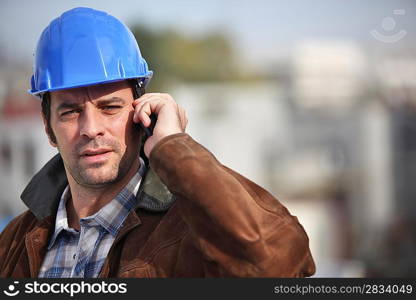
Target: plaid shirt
{"points": [[73, 253]]}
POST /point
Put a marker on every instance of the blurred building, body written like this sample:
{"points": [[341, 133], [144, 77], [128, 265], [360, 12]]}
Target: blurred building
{"points": [[395, 82], [24, 147], [341, 141]]}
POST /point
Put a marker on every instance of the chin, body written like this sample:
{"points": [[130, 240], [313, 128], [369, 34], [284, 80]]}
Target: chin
{"points": [[101, 174], [98, 178]]}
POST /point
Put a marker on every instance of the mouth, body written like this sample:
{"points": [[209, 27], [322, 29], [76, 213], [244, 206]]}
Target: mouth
{"points": [[95, 155]]}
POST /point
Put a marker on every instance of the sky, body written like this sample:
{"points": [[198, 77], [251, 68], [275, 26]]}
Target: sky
{"points": [[260, 30]]}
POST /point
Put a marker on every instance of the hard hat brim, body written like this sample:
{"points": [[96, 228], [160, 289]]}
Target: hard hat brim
{"points": [[38, 93]]}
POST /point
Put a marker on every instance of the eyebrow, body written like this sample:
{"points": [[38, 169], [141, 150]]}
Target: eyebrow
{"points": [[101, 102], [67, 105], [113, 100]]}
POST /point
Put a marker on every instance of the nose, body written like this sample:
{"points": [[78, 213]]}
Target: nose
{"points": [[91, 124]]}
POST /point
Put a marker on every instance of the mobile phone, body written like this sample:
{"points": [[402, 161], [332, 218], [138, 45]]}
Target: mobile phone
{"points": [[149, 130], [138, 91]]}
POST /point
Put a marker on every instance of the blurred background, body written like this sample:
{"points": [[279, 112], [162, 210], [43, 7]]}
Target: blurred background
{"points": [[313, 100]]}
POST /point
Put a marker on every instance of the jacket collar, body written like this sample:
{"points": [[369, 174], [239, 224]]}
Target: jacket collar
{"points": [[43, 192]]}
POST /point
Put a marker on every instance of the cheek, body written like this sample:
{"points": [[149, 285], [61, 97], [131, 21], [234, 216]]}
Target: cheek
{"points": [[133, 133], [123, 128], [65, 133]]}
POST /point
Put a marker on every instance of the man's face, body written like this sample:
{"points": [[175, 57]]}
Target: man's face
{"points": [[95, 134]]}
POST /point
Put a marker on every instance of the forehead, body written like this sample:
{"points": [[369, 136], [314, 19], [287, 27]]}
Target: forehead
{"points": [[119, 89]]}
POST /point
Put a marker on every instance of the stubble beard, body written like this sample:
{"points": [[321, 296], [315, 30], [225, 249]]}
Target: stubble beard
{"points": [[103, 174], [100, 174]]}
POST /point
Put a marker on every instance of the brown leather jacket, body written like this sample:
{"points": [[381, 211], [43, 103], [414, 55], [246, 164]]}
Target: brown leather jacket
{"points": [[220, 224]]}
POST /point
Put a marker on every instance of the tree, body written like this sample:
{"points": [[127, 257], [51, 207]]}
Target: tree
{"points": [[175, 57]]}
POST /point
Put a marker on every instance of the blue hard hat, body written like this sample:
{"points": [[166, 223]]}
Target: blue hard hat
{"points": [[86, 47]]}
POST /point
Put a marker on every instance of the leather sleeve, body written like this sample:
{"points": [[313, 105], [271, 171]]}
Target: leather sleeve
{"points": [[12, 245], [240, 228]]}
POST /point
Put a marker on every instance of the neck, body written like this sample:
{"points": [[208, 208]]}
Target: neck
{"points": [[86, 201]]}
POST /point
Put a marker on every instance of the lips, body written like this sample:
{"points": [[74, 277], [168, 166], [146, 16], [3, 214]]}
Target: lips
{"points": [[95, 155], [94, 152]]}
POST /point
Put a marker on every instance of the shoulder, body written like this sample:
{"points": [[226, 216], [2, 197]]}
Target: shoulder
{"points": [[21, 223], [12, 241]]}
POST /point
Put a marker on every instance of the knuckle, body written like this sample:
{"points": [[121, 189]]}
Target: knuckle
{"points": [[169, 97]]}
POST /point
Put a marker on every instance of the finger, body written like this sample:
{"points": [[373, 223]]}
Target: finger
{"points": [[186, 120], [142, 114], [139, 106], [182, 118], [156, 100], [139, 100], [145, 97]]}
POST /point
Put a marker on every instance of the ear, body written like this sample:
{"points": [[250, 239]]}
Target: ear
{"points": [[48, 131]]}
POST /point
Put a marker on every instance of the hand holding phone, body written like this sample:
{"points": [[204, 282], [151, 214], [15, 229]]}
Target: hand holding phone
{"points": [[162, 115]]}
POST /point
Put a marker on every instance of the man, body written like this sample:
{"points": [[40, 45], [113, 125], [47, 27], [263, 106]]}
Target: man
{"points": [[100, 209]]}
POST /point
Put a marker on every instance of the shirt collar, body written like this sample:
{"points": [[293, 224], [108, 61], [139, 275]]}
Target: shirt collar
{"points": [[111, 216], [61, 221]]}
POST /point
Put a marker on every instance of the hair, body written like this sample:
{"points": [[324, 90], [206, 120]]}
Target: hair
{"points": [[46, 111]]}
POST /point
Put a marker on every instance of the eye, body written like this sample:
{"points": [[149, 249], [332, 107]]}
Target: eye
{"points": [[111, 108], [69, 112]]}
